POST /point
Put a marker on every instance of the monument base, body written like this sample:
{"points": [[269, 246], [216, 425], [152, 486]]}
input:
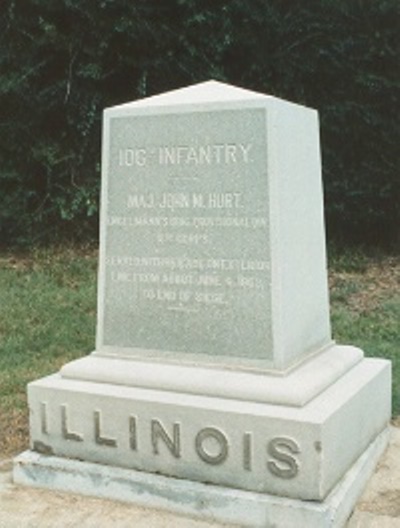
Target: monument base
{"points": [[294, 388], [195, 499], [294, 452]]}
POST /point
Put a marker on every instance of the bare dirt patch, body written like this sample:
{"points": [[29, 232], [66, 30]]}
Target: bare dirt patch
{"points": [[378, 282], [382, 496], [14, 432]]}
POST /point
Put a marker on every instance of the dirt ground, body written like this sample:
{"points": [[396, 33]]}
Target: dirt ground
{"points": [[379, 281]]}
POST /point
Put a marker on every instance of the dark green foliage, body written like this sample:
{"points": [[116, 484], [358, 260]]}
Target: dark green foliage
{"points": [[63, 61]]}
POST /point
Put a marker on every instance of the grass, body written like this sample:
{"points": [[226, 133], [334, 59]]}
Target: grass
{"points": [[47, 318], [48, 311]]}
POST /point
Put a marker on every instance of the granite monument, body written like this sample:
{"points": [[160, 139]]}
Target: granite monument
{"points": [[215, 387]]}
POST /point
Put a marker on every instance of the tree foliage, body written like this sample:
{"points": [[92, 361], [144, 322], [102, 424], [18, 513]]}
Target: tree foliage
{"points": [[63, 61]]}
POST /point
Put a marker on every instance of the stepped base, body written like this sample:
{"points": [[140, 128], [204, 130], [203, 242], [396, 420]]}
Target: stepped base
{"points": [[214, 503], [294, 388], [292, 452]]}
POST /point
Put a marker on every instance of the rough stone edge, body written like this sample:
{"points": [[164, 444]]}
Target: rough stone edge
{"points": [[202, 501]]}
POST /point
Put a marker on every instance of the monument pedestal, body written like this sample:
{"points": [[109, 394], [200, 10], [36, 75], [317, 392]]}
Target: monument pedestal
{"points": [[285, 456], [294, 388], [291, 463]]}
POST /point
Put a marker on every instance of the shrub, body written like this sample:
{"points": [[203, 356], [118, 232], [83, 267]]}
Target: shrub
{"points": [[63, 61]]}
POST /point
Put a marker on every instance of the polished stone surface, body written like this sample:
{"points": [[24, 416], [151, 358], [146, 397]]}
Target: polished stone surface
{"points": [[212, 237]]}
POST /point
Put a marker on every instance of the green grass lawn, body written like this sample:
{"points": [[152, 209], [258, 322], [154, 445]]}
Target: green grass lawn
{"points": [[47, 317], [48, 312]]}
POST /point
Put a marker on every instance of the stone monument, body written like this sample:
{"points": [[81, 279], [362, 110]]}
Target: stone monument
{"points": [[215, 389]]}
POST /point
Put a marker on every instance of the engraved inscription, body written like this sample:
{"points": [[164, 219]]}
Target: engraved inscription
{"points": [[99, 438], [247, 451], [176, 201], [282, 449], [214, 154], [130, 157], [205, 154], [212, 445], [173, 443], [43, 418], [133, 433], [66, 433], [185, 237], [206, 444]]}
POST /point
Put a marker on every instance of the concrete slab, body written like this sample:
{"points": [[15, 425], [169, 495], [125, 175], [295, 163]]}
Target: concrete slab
{"points": [[23, 507]]}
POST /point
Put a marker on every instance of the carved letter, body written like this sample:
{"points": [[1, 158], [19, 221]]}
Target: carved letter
{"points": [[141, 157], [43, 418], [230, 153], [68, 435], [223, 445], [132, 433], [290, 466], [98, 438], [247, 451], [158, 431], [245, 151]]}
